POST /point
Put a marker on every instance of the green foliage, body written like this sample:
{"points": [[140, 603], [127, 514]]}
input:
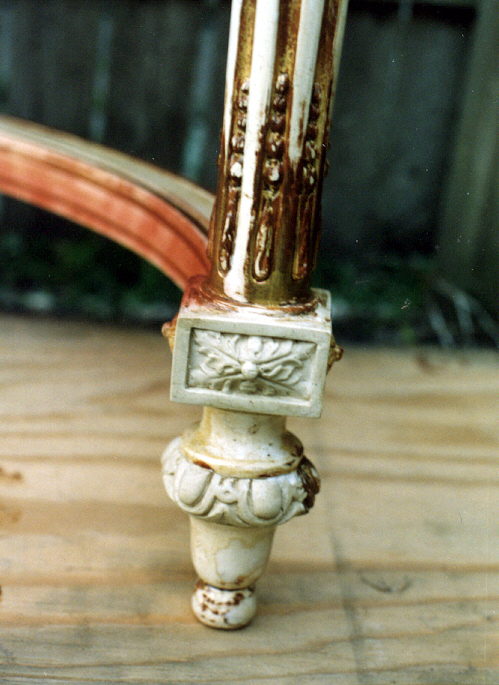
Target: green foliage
{"points": [[379, 299], [50, 265]]}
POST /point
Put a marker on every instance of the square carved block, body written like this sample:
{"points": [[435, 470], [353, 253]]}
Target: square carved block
{"points": [[253, 359]]}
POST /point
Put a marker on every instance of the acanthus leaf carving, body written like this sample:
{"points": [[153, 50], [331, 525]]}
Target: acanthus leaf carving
{"points": [[234, 175], [241, 502], [249, 364]]}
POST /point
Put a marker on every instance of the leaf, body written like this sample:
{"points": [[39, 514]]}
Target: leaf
{"points": [[228, 344], [207, 338], [280, 372], [248, 387], [304, 350], [269, 350]]}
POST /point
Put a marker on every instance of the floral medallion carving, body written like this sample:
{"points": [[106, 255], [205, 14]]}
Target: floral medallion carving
{"points": [[247, 358], [250, 364], [241, 502]]}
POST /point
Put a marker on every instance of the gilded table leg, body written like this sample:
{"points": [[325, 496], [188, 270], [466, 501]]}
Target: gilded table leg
{"points": [[253, 342]]}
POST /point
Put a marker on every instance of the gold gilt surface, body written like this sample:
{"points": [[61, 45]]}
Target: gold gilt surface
{"points": [[285, 211], [392, 578]]}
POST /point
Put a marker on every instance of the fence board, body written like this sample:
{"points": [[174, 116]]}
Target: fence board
{"points": [[469, 239], [52, 70], [152, 68]]}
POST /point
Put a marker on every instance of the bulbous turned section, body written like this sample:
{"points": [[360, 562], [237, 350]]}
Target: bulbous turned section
{"points": [[228, 561], [235, 504], [229, 558], [245, 493]]}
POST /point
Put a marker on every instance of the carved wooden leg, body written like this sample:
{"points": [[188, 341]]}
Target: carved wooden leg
{"points": [[252, 342]]}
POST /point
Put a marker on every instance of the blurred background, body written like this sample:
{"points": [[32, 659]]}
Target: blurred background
{"points": [[410, 246]]}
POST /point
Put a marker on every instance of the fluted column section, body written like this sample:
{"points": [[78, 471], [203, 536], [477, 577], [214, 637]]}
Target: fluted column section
{"points": [[265, 227]]}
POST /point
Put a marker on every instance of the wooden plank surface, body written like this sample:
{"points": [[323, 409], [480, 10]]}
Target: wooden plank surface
{"points": [[392, 578]]}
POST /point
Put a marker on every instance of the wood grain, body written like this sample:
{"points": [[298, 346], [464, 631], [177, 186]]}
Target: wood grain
{"points": [[160, 216], [392, 578]]}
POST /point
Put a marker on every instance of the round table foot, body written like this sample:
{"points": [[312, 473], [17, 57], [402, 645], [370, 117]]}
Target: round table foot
{"points": [[223, 609]]}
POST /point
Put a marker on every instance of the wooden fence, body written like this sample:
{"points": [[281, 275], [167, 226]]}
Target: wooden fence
{"points": [[147, 77], [144, 77]]}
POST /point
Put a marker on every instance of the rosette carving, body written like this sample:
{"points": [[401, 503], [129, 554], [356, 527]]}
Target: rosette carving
{"points": [[250, 364]]}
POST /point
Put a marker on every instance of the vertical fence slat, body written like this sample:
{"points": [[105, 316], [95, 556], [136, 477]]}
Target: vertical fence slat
{"points": [[469, 236], [151, 73], [397, 91], [204, 115], [53, 63]]}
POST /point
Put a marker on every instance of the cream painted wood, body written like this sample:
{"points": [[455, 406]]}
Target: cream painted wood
{"points": [[259, 92], [253, 359], [307, 43]]}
